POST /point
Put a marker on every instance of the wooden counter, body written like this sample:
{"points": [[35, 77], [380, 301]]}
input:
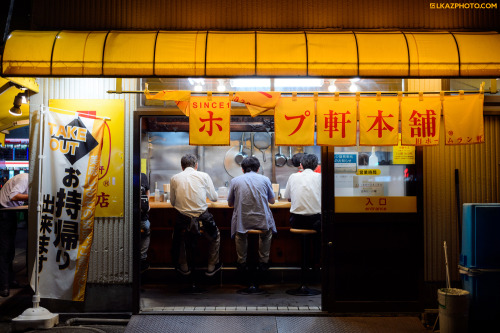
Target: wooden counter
{"points": [[218, 204], [285, 247]]}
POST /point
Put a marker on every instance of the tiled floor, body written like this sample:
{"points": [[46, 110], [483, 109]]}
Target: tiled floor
{"points": [[161, 298]]}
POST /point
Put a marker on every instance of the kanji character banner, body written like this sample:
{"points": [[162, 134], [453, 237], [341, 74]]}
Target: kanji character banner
{"points": [[70, 172], [378, 121], [336, 121], [294, 122], [420, 120], [463, 119], [209, 121]]}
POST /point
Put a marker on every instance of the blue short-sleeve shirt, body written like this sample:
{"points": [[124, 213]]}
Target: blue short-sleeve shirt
{"points": [[250, 194]]}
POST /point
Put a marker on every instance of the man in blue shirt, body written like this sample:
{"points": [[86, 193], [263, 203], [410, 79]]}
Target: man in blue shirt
{"points": [[250, 194]]}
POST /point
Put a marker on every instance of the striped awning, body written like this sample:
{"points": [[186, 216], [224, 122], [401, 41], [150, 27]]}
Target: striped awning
{"points": [[251, 53]]}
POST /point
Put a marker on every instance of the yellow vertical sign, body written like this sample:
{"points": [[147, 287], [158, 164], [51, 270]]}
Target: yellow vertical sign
{"points": [[111, 172]]}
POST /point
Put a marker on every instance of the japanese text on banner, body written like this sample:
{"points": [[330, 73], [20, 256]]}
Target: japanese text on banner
{"points": [[378, 121], [420, 121], [336, 121], [463, 119], [209, 121], [69, 196], [294, 122]]}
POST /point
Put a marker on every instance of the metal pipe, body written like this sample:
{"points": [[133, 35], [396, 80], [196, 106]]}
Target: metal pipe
{"points": [[313, 92]]}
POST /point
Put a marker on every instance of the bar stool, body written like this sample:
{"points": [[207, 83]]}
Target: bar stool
{"points": [[303, 290], [253, 289]]}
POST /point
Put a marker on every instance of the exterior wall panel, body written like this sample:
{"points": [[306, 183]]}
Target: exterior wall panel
{"points": [[479, 181], [257, 14]]}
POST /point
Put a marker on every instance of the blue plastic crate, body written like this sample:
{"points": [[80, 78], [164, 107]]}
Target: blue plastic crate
{"points": [[484, 289], [481, 236]]}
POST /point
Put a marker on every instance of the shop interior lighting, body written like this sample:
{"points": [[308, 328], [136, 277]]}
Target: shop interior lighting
{"points": [[353, 87], [355, 79], [18, 101], [221, 86], [331, 86], [310, 83], [250, 83]]}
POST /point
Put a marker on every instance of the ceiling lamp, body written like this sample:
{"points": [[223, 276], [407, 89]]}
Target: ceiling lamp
{"points": [[221, 87], [331, 86], [16, 109]]}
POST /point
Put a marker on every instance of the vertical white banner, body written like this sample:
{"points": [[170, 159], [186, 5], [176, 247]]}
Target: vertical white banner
{"points": [[72, 151]]}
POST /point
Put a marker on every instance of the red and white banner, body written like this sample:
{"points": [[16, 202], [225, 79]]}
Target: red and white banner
{"points": [[70, 172]]}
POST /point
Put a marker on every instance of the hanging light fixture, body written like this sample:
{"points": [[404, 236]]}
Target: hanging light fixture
{"points": [[16, 109], [221, 87], [331, 86]]}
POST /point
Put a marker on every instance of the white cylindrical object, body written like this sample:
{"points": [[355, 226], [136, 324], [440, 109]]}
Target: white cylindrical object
{"points": [[157, 195], [276, 190], [166, 188], [453, 306]]}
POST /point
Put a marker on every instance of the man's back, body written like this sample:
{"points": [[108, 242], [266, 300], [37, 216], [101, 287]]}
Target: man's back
{"points": [[189, 191], [16, 185], [304, 190], [250, 194]]}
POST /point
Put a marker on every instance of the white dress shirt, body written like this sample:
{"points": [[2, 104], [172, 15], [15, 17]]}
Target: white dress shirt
{"points": [[189, 191], [304, 190]]}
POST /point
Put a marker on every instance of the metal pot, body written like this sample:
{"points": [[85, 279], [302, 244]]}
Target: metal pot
{"points": [[238, 158], [262, 141], [280, 159]]}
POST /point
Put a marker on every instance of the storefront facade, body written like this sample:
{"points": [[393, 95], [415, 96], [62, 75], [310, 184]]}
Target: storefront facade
{"points": [[105, 56]]}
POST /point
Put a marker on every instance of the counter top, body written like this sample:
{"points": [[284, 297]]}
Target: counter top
{"points": [[217, 204]]}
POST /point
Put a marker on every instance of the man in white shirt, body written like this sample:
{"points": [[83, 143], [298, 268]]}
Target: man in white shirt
{"points": [[303, 189], [189, 191], [13, 193]]}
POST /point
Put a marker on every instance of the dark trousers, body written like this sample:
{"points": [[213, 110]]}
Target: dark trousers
{"points": [[8, 223], [185, 237]]}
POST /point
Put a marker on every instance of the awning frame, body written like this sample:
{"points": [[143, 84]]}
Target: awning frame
{"points": [[224, 54]]}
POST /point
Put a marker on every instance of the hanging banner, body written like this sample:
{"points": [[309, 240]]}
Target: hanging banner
{"points": [[257, 102], [378, 121], [111, 168], [463, 119], [70, 171], [336, 121], [420, 120], [181, 98], [294, 122], [209, 121]]}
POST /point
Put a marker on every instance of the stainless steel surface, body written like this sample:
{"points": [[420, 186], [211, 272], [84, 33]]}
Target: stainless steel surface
{"points": [[159, 323], [280, 159], [240, 156], [289, 160], [262, 141], [232, 167]]}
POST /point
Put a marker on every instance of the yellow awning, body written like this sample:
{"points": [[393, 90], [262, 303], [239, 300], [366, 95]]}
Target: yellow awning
{"points": [[252, 53]]}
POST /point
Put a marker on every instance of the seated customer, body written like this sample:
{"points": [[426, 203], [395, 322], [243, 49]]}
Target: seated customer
{"points": [[189, 191], [303, 189], [250, 194]]}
